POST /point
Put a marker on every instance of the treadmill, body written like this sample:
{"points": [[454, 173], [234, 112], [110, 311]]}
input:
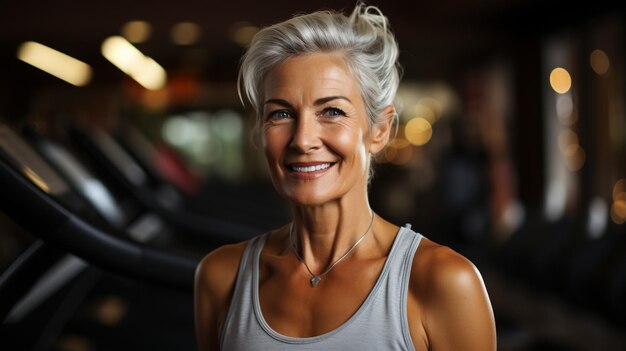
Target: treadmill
{"points": [[76, 255]]}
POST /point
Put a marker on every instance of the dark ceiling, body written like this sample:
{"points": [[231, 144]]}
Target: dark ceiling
{"points": [[436, 37]]}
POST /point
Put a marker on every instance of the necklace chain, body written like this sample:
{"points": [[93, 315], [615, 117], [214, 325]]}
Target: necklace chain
{"points": [[316, 278]]}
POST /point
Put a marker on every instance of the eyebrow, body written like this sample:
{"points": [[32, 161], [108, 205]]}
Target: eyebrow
{"points": [[317, 102], [278, 102], [324, 100]]}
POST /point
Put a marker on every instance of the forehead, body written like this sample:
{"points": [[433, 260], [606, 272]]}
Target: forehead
{"points": [[311, 74]]}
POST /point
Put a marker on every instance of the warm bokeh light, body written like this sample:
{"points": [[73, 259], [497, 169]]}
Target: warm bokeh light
{"points": [[567, 138], [436, 96], [185, 33], [399, 143], [575, 157], [599, 61], [111, 310], [242, 33], [121, 53], [560, 80], [425, 112], [136, 31], [155, 100], [133, 62], [434, 105], [394, 153], [55, 63], [418, 131], [618, 211], [152, 76]]}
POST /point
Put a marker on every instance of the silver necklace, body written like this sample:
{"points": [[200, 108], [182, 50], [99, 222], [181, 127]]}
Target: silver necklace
{"points": [[316, 278]]}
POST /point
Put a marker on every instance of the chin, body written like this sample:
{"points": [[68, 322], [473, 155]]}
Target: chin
{"points": [[307, 198]]}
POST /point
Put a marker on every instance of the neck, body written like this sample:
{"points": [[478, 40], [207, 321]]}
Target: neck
{"points": [[323, 234]]}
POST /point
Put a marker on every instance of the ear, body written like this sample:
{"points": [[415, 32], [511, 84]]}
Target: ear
{"points": [[381, 131]]}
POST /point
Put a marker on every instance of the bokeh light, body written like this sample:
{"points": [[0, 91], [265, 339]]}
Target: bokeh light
{"points": [[185, 33], [136, 31], [560, 80], [418, 131], [599, 61]]}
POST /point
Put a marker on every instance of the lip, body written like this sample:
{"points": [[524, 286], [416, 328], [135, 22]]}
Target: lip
{"points": [[308, 174]]}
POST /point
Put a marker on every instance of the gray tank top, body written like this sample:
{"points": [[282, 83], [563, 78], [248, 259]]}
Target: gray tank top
{"points": [[380, 323]]}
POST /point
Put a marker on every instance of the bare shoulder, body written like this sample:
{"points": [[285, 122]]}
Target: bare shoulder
{"points": [[217, 270], [440, 268], [214, 284], [454, 306]]}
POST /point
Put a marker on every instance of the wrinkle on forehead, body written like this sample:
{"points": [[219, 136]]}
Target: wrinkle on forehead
{"points": [[311, 76]]}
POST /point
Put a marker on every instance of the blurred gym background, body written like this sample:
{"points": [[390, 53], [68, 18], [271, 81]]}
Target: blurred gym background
{"points": [[511, 149]]}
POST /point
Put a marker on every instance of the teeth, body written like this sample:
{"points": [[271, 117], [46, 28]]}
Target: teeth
{"points": [[311, 168]]}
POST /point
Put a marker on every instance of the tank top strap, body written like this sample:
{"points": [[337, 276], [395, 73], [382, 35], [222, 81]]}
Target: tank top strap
{"points": [[240, 304], [411, 243], [387, 311]]}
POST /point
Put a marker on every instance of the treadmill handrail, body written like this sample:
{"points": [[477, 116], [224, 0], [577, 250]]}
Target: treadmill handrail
{"points": [[39, 214], [200, 227], [23, 273]]}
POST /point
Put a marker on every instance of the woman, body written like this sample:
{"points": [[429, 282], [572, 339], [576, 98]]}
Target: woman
{"points": [[338, 276]]}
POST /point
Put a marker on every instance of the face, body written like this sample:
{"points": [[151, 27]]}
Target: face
{"points": [[316, 136]]}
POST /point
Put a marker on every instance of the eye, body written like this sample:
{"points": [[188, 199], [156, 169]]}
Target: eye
{"points": [[278, 115], [333, 112]]}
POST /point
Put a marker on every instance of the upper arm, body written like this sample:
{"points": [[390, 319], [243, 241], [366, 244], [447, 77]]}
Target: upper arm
{"points": [[457, 311], [214, 283]]}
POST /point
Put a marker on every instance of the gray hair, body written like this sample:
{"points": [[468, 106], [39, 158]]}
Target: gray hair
{"points": [[369, 47]]}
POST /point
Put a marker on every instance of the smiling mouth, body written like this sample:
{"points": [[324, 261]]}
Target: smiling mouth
{"points": [[309, 169]]}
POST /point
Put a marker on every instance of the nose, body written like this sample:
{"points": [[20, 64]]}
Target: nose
{"points": [[306, 134]]}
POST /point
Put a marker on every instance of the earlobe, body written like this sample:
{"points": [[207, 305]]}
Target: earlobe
{"points": [[381, 131]]}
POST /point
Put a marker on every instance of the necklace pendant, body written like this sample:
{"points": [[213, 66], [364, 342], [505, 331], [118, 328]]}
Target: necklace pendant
{"points": [[315, 280]]}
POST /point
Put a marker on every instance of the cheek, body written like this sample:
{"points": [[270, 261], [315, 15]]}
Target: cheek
{"points": [[350, 144], [273, 144], [270, 150], [344, 139]]}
